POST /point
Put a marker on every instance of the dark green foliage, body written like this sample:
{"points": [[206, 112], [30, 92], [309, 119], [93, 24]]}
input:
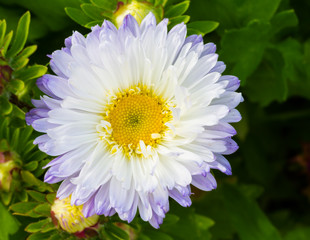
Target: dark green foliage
{"points": [[265, 43]]}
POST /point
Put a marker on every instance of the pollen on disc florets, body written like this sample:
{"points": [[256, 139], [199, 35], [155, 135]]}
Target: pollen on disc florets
{"points": [[134, 115]]}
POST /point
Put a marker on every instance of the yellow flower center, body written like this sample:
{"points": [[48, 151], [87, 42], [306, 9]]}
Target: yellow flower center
{"points": [[71, 218], [135, 115]]}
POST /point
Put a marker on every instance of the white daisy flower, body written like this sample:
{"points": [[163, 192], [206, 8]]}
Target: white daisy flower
{"points": [[135, 115]]}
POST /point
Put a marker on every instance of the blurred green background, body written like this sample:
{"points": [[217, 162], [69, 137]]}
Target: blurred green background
{"points": [[267, 45]]}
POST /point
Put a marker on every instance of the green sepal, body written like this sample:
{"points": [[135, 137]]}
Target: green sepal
{"points": [[21, 35], [201, 27], [177, 9], [37, 226]]}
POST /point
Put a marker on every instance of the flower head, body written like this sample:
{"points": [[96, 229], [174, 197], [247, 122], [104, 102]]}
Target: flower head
{"points": [[135, 115]]}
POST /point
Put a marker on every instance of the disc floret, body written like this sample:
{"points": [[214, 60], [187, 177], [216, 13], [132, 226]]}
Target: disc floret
{"points": [[134, 118]]}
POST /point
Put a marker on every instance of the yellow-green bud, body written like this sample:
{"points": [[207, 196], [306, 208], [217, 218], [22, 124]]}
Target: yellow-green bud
{"points": [[70, 217], [138, 9], [7, 166]]}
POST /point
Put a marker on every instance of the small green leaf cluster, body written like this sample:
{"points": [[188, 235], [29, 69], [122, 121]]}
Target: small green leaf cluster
{"points": [[15, 76]]}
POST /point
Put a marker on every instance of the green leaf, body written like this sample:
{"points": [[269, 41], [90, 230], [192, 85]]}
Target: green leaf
{"points": [[296, 69], [31, 72], [51, 197], [39, 236], [4, 146], [176, 20], [243, 49], [14, 139], [48, 227], [43, 209], [203, 222], [15, 86], [6, 106], [177, 9], [37, 226], [283, 20], [105, 4], [268, 84], [28, 51], [2, 30], [154, 235], [247, 218], [21, 35], [31, 166], [9, 224], [21, 60], [6, 42], [30, 180], [6, 197], [170, 219], [19, 63], [201, 27], [233, 14], [93, 23], [301, 233], [23, 208], [115, 232], [40, 197], [78, 16], [160, 2], [92, 11]]}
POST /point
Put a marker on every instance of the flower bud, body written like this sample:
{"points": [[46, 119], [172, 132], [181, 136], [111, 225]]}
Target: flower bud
{"points": [[7, 166], [70, 217], [138, 10]]}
